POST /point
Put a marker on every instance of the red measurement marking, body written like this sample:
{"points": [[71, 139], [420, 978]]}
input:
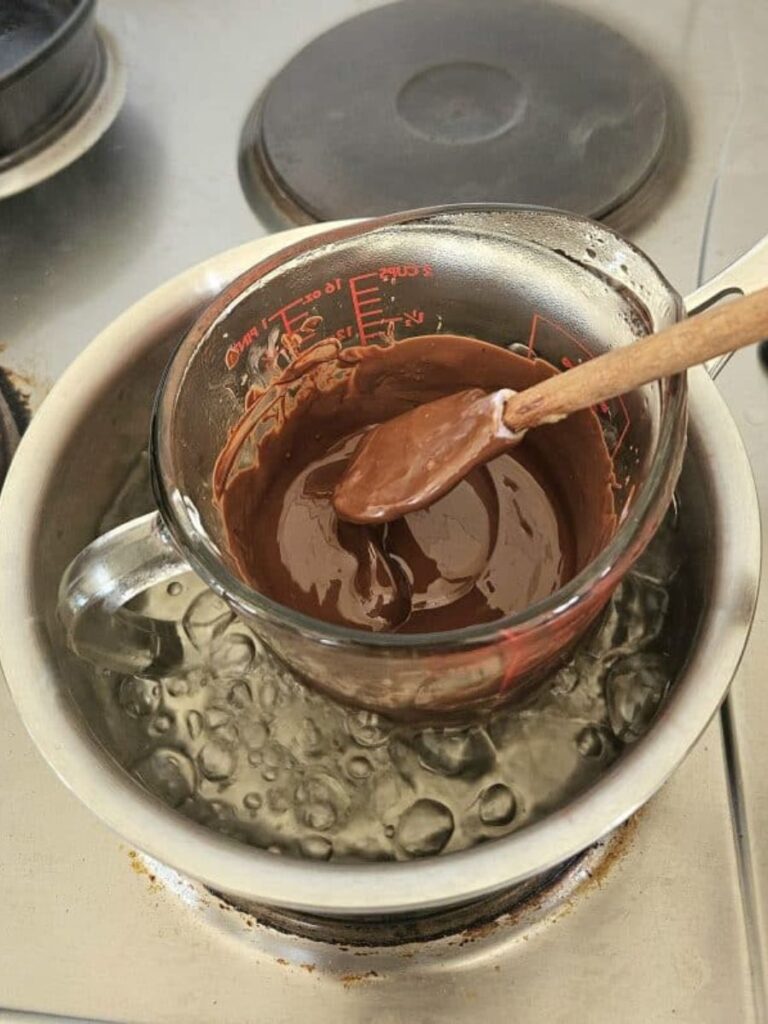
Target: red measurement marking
{"points": [[416, 316], [368, 310], [539, 319], [289, 322], [384, 320], [568, 364], [623, 434], [236, 349]]}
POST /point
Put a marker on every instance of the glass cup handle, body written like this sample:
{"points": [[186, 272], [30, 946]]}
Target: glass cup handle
{"points": [[102, 580], [745, 275]]}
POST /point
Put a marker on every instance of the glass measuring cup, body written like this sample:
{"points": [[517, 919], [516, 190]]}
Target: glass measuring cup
{"points": [[538, 281]]}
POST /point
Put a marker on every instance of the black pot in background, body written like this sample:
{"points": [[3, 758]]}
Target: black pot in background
{"points": [[49, 55]]}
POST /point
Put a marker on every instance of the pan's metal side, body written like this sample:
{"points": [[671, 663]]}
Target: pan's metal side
{"points": [[745, 386]]}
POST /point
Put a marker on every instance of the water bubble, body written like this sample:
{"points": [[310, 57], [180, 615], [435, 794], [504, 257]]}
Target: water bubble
{"points": [[317, 848], [196, 679], [425, 828], [319, 816], [174, 588], [634, 689], [452, 752], [566, 680], [497, 805], [194, 724], [206, 619], [233, 655], [169, 774], [320, 801], [226, 735], [367, 728], [359, 768], [176, 686], [216, 716], [268, 696], [138, 696], [252, 801], [255, 758], [274, 755], [253, 733], [269, 774], [634, 619], [590, 742], [240, 695], [277, 801], [216, 762], [389, 831], [161, 725], [222, 812], [310, 737]]}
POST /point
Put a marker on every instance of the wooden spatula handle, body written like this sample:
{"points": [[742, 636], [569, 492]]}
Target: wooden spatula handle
{"points": [[684, 344]]}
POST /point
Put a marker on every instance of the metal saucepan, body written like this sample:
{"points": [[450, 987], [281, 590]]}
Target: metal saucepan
{"points": [[49, 60], [66, 472]]}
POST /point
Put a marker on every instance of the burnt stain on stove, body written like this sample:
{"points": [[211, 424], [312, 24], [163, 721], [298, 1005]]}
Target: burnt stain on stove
{"points": [[350, 979], [139, 866], [14, 419], [554, 897], [615, 847], [618, 846], [17, 401]]}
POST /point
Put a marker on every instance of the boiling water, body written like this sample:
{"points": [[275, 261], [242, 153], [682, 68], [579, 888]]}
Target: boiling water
{"points": [[228, 737]]}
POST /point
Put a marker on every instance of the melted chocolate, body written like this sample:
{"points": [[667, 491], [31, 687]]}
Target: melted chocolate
{"points": [[509, 533], [408, 462]]}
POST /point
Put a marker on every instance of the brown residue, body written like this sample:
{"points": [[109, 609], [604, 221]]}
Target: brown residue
{"points": [[28, 390], [137, 864], [482, 931], [617, 848], [348, 980]]}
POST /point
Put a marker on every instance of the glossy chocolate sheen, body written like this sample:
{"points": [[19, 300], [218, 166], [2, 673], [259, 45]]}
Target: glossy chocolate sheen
{"points": [[511, 532], [409, 462]]}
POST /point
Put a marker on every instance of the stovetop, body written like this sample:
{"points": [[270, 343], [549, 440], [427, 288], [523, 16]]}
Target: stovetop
{"points": [[673, 928]]}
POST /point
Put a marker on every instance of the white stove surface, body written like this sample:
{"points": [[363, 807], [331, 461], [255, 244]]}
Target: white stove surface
{"points": [[675, 930]]}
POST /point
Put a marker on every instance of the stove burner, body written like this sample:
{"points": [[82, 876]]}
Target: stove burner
{"points": [[14, 417], [76, 130], [518, 901], [520, 906], [436, 101]]}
